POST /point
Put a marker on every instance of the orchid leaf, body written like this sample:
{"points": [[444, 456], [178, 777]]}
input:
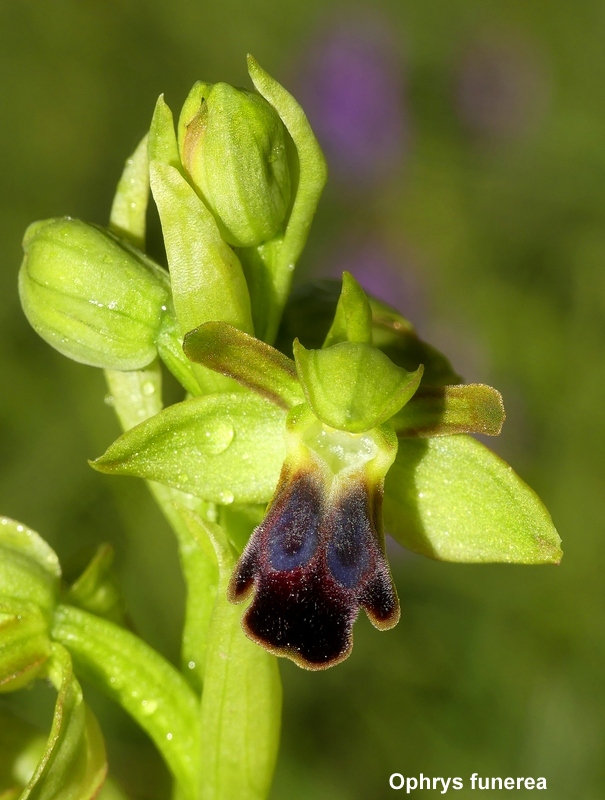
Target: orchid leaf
{"points": [[241, 703], [129, 208], [353, 317], [141, 681], [97, 590], [162, 144], [445, 410], [73, 765], [222, 448], [353, 386], [207, 279], [252, 363], [452, 499], [312, 175]]}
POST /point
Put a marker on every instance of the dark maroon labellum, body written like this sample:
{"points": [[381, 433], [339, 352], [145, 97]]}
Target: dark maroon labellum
{"points": [[317, 557]]}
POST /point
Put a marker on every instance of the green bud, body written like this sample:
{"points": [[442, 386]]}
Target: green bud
{"points": [[233, 147], [92, 296]]}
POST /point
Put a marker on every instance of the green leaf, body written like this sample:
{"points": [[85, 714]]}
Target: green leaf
{"points": [[129, 208], [207, 279], [97, 590], [128, 219], [312, 175], [141, 681], [162, 143], [396, 337], [444, 410], [24, 645], [241, 703], [452, 499], [137, 396], [73, 766], [250, 362], [29, 568], [222, 448], [353, 318], [353, 386]]}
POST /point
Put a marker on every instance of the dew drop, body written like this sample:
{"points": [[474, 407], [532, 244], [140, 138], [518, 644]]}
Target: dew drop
{"points": [[148, 388], [109, 400], [169, 736], [149, 706], [191, 665], [216, 440], [226, 498]]}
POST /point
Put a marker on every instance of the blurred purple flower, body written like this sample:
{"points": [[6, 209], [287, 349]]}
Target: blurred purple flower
{"points": [[386, 273], [501, 90], [351, 86]]}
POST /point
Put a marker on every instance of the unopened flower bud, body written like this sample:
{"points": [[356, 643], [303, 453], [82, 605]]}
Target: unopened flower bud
{"points": [[233, 147], [91, 295]]}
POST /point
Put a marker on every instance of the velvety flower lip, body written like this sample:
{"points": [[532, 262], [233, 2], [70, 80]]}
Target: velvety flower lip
{"points": [[312, 563]]}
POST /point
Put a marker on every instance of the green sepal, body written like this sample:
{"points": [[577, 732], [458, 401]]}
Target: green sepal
{"points": [[150, 689], [29, 568], [250, 362], [73, 765], [241, 702], [129, 207], [446, 410], [353, 386], [312, 175], [222, 448], [452, 499], [24, 645], [96, 590], [92, 296], [396, 337], [353, 317]]}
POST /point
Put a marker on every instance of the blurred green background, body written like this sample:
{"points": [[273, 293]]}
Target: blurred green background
{"points": [[478, 194]]}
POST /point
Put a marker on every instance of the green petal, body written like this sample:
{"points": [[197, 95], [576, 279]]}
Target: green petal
{"points": [[129, 208], [29, 568], [444, 410], [223, 448], [353, 318], [73, 766], [452, 499], [241, 702], [254, 364], [353, 386], [141, 681]]}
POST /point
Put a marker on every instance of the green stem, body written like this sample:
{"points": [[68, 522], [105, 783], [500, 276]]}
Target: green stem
{"points": [[136, 396], [141, 681]]}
